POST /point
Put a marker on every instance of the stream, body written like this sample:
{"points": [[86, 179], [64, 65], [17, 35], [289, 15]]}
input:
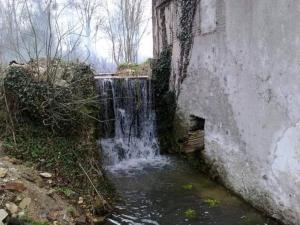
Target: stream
{"points": [[173, 193], [155, 189]]}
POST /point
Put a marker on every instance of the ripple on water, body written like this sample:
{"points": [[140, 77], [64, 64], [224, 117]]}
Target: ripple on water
{"points": [[157, 193]]}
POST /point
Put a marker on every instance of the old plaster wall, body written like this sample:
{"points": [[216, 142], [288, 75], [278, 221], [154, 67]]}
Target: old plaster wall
{"points": [[244, 79]]}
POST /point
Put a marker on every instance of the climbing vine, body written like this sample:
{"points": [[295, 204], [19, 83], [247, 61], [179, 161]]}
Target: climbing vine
{"points": [[185, 36], [168, 130]]}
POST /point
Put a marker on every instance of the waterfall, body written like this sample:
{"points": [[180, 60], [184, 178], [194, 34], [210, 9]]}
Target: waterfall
{"points": [[128, 130]]}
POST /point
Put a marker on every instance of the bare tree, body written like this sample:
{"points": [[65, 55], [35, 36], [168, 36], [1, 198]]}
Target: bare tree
{"points": [[89, 17], [125, 26]]}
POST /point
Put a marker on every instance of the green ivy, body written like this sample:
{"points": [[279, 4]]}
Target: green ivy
{"points": [[61, 108], [188, 11], [165, 101]]}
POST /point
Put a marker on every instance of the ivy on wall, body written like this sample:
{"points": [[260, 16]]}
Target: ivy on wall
{"points": [[165, 101], [185, 36]]}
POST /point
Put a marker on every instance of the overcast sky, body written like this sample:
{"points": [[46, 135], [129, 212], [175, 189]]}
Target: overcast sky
{"points": [[146, 49]]}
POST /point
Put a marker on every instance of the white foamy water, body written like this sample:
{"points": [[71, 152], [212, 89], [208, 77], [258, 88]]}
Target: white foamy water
{"points": [[130, 141]]}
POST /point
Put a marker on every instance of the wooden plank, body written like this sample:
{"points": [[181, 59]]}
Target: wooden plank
{"points": [[194, 142]]}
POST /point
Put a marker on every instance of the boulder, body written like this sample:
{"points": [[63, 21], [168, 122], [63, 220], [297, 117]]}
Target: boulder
{"points": [[12, 208]]}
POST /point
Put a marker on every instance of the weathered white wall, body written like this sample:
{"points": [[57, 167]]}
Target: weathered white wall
{"points": [[244, 79]]}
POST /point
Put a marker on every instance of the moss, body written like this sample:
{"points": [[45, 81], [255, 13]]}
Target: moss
{"points": [[212, 202], [188, 187], [190, 214]]}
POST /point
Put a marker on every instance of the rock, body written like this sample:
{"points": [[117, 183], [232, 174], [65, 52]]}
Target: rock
{"points": [[3, 215], [51, 192], [25, 203], [101, 207], [18, 199], [81, 220], [99, 220], [28, 177], [21, 214], [13, 186], [53, 215], [50, 181], [80, 200], [12, 208], [3, 172], [12, 160], [46, 175]]}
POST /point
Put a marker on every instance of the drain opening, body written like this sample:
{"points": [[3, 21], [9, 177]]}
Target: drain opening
{"points": [[195, 140]]}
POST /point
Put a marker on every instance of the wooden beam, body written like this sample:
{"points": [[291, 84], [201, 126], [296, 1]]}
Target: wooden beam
{"points": [[120, 77]]}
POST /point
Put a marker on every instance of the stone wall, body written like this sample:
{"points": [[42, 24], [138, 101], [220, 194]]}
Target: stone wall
{"points": [[243, 79]]}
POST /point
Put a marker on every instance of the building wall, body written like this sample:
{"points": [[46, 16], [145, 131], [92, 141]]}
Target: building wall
{"points": [[244, 79]]}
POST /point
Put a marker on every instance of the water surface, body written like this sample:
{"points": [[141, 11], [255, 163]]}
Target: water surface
{"points": [[173, 193]]}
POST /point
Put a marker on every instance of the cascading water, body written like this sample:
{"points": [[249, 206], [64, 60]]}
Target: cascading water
{"points": [[129, 123], [156, 190]]}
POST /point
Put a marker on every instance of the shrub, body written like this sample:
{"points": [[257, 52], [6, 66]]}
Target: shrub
{"points": [[61, 108]]}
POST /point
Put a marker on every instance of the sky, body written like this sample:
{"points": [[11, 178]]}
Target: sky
{"points": [[103, 47], [68, 17]]}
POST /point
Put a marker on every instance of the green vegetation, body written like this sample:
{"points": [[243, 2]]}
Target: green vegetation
{"points": [[188, 186], [37, 223], [212, 203], [188, 12], [135, 69], [61, 108], [51, 123], [130, 66], [169, 127], [66, 191], [190, 214], [165, 102]]}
